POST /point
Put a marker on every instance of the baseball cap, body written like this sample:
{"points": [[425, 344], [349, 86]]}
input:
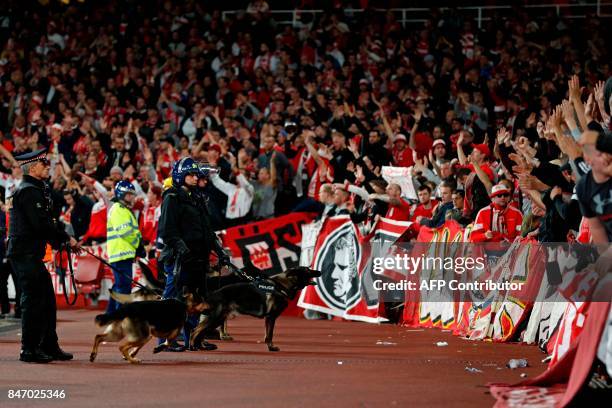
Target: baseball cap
{"points": [[483, 148], [400, 136], [499, 189], [438, 142]]}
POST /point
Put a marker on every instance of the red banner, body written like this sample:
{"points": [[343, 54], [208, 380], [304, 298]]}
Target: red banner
{"points": [[344, 257], [271, 245]]}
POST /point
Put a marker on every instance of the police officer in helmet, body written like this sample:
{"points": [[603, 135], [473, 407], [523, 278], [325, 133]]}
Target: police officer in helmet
{"points": [[184, 224], [123, 240], [185, 230], [31, 228]]}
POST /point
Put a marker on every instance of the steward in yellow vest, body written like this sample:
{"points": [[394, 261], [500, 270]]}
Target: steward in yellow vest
{"points": [[123, 239]]}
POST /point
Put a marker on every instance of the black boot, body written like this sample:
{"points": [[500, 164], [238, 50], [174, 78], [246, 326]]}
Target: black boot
{"points": [[58, 354], [35, 356], [203, 346]]}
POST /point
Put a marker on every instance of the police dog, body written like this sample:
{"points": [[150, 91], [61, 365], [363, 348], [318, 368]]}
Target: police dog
{"points": [[138, 322], [265, 298], [139, 295]]}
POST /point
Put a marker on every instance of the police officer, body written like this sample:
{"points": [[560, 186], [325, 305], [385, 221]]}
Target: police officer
{"points": [[123, 240], [185, 230], [31, 228]]}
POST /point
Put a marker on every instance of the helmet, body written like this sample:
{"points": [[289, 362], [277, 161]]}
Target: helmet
{"points": [[182, 168], [122, 188], [206, 170]]}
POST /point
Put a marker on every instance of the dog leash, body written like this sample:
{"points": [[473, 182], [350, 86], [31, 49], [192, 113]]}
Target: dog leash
{"points": [[240, 272], [105, 262], [65, 249], [261, 283]]}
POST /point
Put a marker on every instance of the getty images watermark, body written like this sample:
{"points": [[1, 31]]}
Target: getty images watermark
{"points": [[410, 265], [481, 272]]}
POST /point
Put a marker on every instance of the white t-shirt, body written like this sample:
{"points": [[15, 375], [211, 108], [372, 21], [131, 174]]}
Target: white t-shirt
{"points": [[9, 183]]}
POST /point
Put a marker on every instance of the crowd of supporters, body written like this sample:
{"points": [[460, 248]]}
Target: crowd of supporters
{"points": [[504, 127]]}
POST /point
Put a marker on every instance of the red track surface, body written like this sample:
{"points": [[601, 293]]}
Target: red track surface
{"points": [[321, 363]]}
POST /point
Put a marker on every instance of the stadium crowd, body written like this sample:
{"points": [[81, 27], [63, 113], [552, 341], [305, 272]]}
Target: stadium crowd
{"points": [[505, 127]]}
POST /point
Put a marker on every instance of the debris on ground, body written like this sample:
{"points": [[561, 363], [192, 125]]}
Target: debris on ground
{"points": [[385, 343], [473, 370], [441, 344], [517, 363]]}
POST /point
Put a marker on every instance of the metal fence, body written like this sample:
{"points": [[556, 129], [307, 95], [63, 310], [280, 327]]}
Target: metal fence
{"points": [[416, 15]]}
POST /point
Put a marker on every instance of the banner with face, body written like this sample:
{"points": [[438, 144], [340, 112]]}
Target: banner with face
{"points": [[343, 255]]}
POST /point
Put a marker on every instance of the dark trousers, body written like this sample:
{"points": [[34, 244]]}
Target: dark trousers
{"points": [[191, 276], [5, 271], [122, 272], [38, 309], [170, 291]]}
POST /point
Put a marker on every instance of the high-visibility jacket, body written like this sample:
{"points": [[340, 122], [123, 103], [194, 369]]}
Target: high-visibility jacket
{"points": [[122, 233]]}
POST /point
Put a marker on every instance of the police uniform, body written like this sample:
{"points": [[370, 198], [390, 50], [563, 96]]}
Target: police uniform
{"points": [[31, 228], [188, 237], [185, 228], [187, 233]]}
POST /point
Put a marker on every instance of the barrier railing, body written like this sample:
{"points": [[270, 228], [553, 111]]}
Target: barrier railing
{"points": [[480, 14]]}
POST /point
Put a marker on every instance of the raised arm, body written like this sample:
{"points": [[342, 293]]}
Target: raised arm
{"points": [[385, 198], [574, 95], [225, 187], [418, 114], [483, 177], [273, 172], [460, 153], [8, 155], [313, 151]]}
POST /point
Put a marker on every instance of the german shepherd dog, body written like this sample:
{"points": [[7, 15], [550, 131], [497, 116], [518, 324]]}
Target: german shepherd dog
{"points": [[138, 295], [264, 298], [138, 322]]}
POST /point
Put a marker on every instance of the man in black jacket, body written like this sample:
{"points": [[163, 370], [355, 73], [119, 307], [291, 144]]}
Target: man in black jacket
{"points": [[187, 235], [31, 228], [185, 229]]}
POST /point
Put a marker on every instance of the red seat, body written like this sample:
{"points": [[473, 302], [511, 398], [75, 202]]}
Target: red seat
{"points": [[88, 274]]}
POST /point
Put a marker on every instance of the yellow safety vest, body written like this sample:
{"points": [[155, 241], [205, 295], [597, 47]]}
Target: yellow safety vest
{"points": [[122, 233]]}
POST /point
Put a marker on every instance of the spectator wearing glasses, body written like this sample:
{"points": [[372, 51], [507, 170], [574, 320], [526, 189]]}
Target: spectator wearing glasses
{"points": [[498, 221]]}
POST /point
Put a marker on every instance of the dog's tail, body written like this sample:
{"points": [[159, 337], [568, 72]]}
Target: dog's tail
{"points": [[107, 318], [120, 297], [124, 298]]}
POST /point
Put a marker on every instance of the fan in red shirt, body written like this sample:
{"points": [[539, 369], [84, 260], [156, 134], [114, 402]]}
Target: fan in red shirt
{"points": [[399, 209], [149, 217], [167, 156], [426, 206], [424, 209], [402, 154], [318, 168], [498, 221]]}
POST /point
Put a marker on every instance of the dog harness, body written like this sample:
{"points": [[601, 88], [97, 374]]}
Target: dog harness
{"points": [[263, 285], [266, 286]]}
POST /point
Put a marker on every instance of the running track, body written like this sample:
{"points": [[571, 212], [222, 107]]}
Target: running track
{"points": [[321, 363]]}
